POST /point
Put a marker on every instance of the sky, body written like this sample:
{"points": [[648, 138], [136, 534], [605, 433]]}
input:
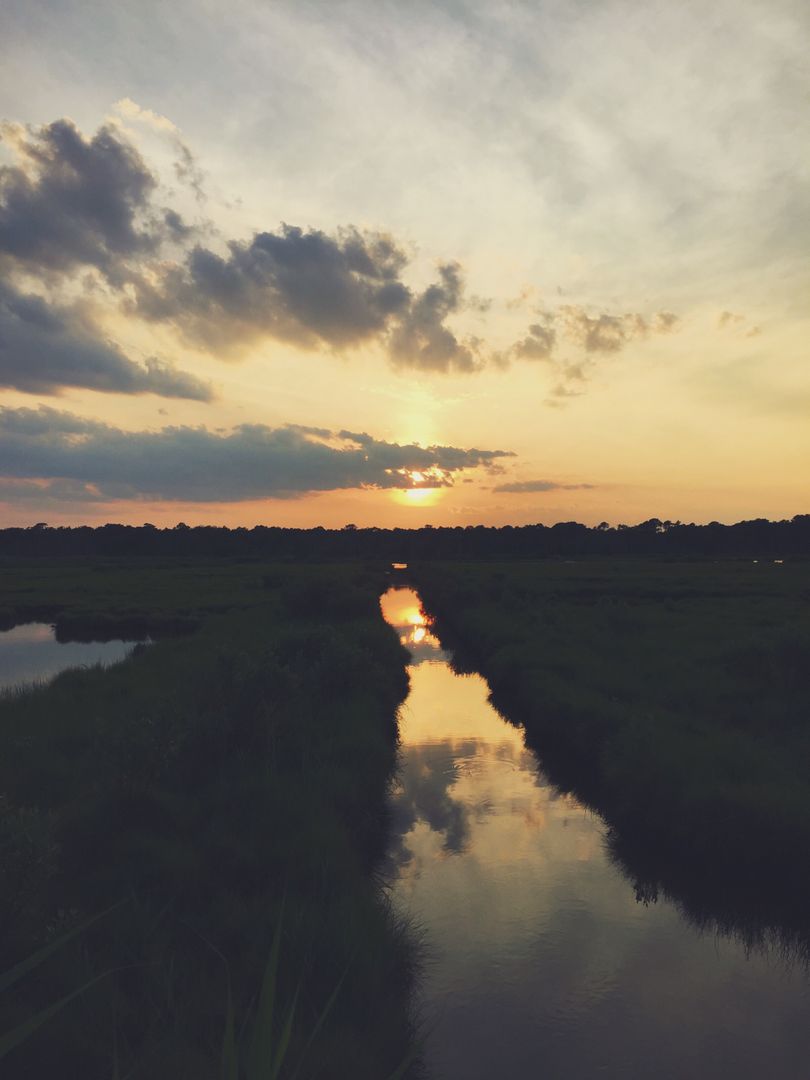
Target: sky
{"points": [[451, 263]]}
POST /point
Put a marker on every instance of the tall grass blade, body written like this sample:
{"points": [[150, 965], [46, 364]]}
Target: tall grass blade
{"points": [[284, 1038], [230, 1060], [116, 1073], [402, 1069], [13, 975], [261, 1057], [19, 1034], [320, 1021]]}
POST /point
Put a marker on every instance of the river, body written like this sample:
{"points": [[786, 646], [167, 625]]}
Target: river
{"points": [[540, 959]]}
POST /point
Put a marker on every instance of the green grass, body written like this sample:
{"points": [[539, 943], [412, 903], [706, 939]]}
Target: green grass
{"points": [[207, 781], [110, 594], [673, 696]]}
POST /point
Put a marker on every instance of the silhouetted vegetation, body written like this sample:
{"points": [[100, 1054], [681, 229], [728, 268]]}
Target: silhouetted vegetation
{"points": [[218, 792], [757, 538], [672, 697]]}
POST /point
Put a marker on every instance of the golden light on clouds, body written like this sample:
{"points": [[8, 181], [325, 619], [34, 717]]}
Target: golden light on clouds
{"points": [[638, 370]]}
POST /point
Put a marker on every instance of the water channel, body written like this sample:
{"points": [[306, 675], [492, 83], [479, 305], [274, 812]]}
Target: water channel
{"points": [[539, 959], [30, 653]]}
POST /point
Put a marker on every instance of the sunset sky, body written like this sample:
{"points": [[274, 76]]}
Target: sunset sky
{"points": [[397, 263]]}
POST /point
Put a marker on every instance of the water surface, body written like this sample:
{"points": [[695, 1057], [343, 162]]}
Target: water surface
{"points": [[542, 962], [31, 653]]}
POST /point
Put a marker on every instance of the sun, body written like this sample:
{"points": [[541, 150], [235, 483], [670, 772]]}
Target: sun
{"points": [[425, 492], [417, 496]]}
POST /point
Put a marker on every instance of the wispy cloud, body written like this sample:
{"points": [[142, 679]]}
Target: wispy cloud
{"points": [[186, 167], [519, 487]]}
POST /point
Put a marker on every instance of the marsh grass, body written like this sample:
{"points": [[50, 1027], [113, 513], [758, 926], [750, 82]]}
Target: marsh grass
{"points": [[672, 696], [202, 779]]}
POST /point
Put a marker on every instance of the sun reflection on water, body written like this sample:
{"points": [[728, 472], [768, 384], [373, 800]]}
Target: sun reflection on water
{"points": [[401, 609]]}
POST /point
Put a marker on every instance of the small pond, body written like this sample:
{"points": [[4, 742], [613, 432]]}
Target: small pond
{"points": [[31, 653]]}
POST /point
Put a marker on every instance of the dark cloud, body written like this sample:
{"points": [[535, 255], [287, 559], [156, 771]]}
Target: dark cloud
{"points": [[538, 344], [520, 486], [73, 201], [419, 337], [197, 465], [312, 290], [303, 287], [45, 347], [177, 228]]}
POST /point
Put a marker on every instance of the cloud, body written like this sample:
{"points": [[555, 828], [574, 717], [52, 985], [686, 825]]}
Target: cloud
{"points": [[306, 288], [186, 167], [538, 344], [312, 290], [601, 333], [595, 333], [607, 333], [420, 338], [45, 347], [252, 461], [520, 486], [71, 201], [731, 319], [63, 492]]}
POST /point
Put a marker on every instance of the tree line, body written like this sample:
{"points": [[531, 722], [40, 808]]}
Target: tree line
{"points": [[758, 538]]}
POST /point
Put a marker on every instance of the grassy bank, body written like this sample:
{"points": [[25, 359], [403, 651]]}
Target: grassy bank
{"points": [[674, 697], [214, 790], [135, 597]]}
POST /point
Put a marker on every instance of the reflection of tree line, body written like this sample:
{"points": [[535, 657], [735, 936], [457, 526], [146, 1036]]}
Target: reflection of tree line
{"points": [[776, 925], [746, 910]]}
